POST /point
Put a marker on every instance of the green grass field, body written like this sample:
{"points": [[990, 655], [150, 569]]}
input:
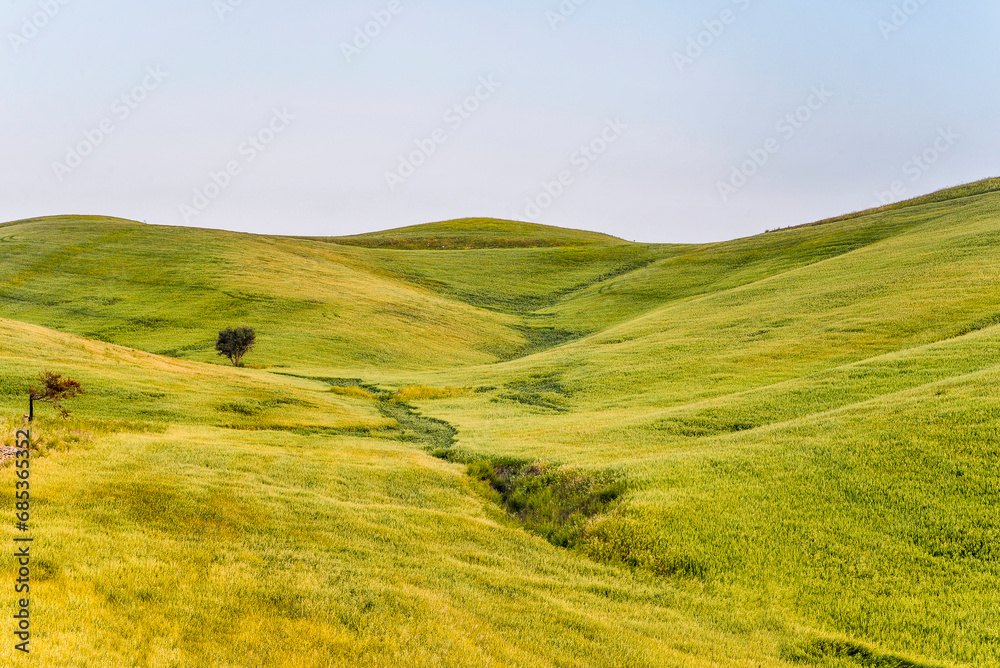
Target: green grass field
{"points": [[488, 443]]}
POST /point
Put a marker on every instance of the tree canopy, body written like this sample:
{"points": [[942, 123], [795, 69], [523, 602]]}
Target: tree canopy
{"points": [[55, 389], [234, 343]]}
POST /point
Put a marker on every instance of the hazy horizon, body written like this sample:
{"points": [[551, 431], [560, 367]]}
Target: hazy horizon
{"points": [[693, 122]]}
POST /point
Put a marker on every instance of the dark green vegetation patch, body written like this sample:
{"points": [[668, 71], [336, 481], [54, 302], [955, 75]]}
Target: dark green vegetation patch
{"points": [[544, 390], [554, 502], [821, 651]]}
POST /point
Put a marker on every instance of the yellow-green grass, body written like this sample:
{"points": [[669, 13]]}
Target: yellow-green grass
{"points": [[806, 421], [176, 543], [956, 192], [423, 393], [210, 547], [702, 405], [476, 233], [318, 304], [170, 290], [123, 384]]}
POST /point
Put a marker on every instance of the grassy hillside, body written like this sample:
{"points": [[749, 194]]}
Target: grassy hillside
{"points": [[476, 233], [170, 290], [314, 303], [126, 384], [947, 194], [803, 424], [172, 537]]}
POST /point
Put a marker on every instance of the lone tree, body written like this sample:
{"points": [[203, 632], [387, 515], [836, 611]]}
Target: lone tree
{"points": [[54, 390], [235, 343]]}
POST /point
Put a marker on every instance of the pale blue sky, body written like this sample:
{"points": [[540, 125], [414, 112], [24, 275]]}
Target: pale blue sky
{"points": [[665, 133]]}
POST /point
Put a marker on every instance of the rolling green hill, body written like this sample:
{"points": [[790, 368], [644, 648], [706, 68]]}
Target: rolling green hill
{"points": [[476, 233], [493, 443]]}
